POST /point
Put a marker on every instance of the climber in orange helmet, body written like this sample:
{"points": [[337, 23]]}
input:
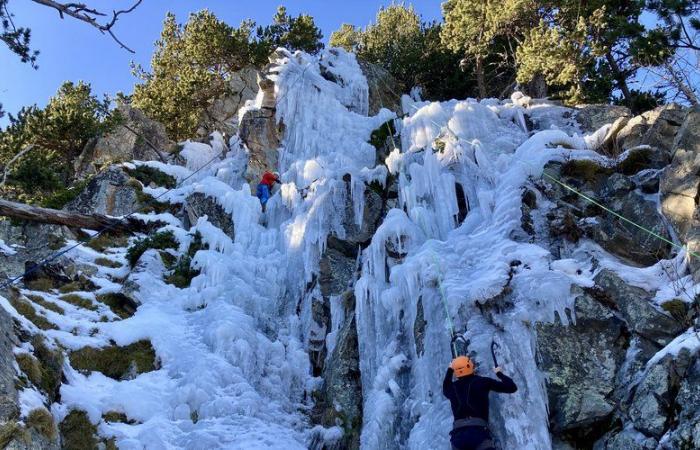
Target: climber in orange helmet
{"points": [[469, 397]]}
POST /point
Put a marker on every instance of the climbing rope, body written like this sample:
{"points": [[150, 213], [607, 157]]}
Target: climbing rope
{"points": [[107, 228], [589, 199]]}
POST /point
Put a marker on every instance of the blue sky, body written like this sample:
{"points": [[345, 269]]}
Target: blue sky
{"points": [[71, 50]]}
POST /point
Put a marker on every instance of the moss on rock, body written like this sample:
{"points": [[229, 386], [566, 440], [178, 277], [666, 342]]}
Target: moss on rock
{"points": [[78, 432], [585, 170], [79, 301], [41, 301], [678, 309], [117, 417], [107, 240], [106, 262], [40, 284], [51, 364], [27, 310], [12, 431], [81, 284], [116, 362], [120, 304]]}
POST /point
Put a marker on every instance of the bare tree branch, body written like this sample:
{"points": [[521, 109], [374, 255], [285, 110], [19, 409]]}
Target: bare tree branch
{"points": [[82, 12], [14, 159]]}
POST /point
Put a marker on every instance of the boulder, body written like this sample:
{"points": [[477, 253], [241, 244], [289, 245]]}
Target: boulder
{"points": [[592, 117], [679, 186], [686, 434], [626, 439], [656, 128], [384, 90], [679, 182], [139, 137], [34, 242], [222, 115], [624, 239], [650, 407], [110, 193], [580, 362], [634, 305], [199, 205]]}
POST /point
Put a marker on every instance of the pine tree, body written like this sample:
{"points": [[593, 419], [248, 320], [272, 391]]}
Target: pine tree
{"points": [[473, 28], [347, 37], [292, 33], [189, 69]]}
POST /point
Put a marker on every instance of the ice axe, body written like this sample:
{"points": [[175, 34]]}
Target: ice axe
{"points": [[494, 346]]}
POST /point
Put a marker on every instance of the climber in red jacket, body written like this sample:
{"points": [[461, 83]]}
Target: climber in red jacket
{"points": [[264, 191]]}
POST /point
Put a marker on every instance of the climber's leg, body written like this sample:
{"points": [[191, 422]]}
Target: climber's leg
{"points": [[472, 438]]}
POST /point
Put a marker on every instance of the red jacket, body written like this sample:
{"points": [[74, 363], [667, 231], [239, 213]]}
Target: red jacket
{"points": [[269, 179]]}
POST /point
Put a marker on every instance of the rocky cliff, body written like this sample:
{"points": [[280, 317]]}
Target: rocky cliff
{"points": [[567, 236]]}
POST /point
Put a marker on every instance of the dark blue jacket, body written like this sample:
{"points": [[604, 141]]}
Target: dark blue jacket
{"points": [[469, 396]]}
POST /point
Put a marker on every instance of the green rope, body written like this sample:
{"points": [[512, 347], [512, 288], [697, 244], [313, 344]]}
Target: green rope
{"points": [[443, 297], [618, 215], [591, 200]]}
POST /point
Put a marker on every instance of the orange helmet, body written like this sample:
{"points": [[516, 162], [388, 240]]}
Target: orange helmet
{"points": [[463, 366]]}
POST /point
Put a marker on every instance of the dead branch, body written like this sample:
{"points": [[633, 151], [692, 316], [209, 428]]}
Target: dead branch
{"points": [[14, 159], [82, 12], [22, 211]]}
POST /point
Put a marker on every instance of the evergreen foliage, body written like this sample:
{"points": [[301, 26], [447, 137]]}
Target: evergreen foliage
{"points": [[192, 63], [56, 135]]}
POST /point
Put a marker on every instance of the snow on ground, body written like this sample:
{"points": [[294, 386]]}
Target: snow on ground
{"points": [[234, 370]]}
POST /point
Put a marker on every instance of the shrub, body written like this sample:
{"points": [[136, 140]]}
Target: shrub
{"points": [[182, 272], [147, 175], [41, 420], [159, 241], [78, 432]]}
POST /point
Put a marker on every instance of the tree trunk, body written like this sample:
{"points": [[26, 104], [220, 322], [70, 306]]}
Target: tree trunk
{"points": [[621, 81], [480, 77], [537, 87], [54, 216]]}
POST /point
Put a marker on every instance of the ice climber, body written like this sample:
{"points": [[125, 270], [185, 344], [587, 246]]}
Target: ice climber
{"points": [[264, 190], [469, 397]]}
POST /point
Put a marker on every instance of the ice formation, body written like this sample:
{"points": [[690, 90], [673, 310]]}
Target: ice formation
{"points": [[233, 346]]}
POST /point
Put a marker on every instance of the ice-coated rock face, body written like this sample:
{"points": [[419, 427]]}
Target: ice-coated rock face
{"points": [[325, 321]]}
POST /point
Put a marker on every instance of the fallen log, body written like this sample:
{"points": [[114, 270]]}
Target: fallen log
{"points": [[96, 222]]}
